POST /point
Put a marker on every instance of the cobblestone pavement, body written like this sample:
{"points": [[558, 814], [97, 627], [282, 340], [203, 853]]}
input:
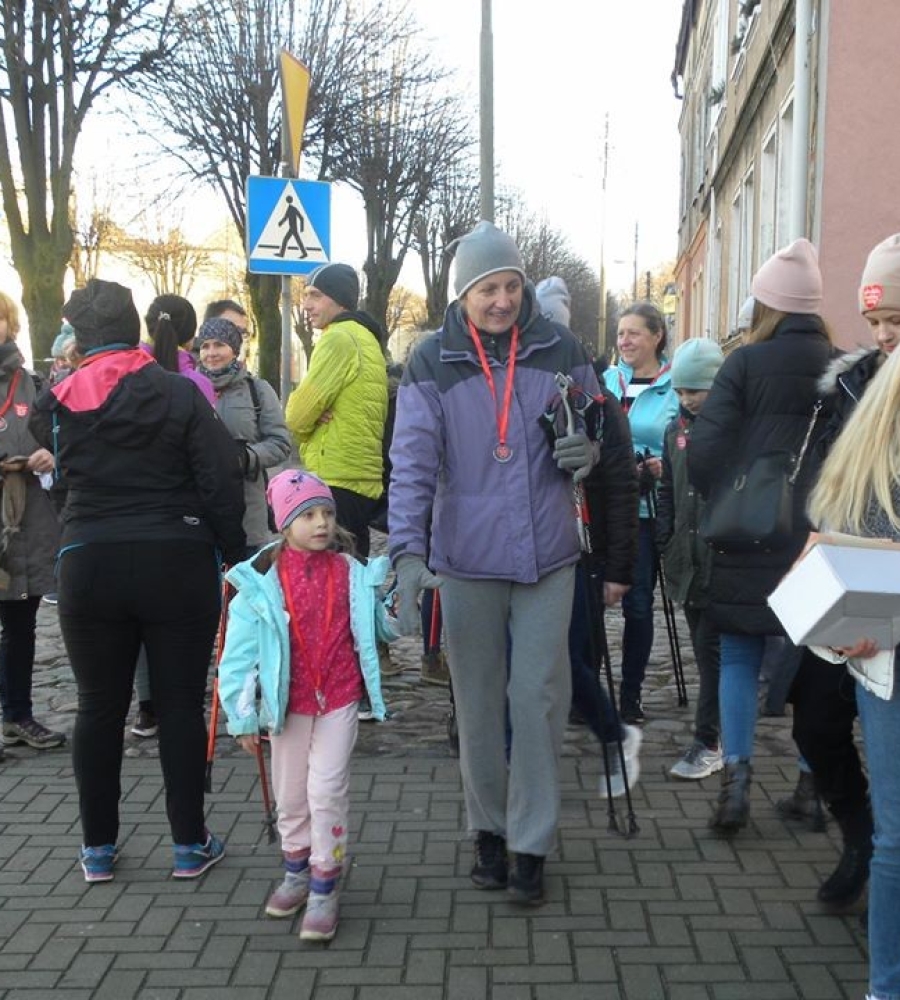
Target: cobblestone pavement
{"points": [[672, 912]]}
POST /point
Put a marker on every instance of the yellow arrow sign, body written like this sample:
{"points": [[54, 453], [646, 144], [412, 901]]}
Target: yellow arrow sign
{"points": [[294, 94]]}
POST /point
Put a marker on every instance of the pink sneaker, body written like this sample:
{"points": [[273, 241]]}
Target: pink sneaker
{"points": [[321, 918], [290, 896]]}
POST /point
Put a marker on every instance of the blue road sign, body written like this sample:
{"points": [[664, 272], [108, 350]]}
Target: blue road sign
{"points": [[288, 225]]}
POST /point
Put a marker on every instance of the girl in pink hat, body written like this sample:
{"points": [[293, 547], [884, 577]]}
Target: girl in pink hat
{"points": [[300, 652]]}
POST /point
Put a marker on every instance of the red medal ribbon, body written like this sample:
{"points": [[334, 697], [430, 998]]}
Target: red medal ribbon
{"points": [[13, 385], [502, 417], [294, 625]]}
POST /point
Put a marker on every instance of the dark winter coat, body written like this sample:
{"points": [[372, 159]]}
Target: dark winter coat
{"points": [[687, 559], [144, 455], [843, 384], [31, 554], [761, 401], [612, 495]]}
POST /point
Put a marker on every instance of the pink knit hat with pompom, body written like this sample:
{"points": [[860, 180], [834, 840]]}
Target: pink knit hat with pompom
{"points": [[292, 492]]}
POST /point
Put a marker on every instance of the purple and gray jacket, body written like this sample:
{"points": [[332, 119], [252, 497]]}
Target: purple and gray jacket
{"points": [[489, 520]]}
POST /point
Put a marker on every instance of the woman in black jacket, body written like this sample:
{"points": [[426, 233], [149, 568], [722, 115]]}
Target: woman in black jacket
{"points": [[154, 505], [762, 400]]}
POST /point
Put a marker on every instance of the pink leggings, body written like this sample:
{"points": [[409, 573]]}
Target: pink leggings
{"points": [[311, 784]]}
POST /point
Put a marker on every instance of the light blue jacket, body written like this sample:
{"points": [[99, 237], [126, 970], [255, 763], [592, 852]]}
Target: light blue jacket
{"points": [[649, 414], [255, 669]]}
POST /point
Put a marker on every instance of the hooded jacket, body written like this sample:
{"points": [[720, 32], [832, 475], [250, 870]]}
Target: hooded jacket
{"points": [[649, 414], [144, 456], [257, 642], [347, 380], [491, 520], [31, 551], [761, 401]]}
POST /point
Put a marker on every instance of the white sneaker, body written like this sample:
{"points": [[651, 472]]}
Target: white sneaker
{"points": [[631, 747], [699, 761]]}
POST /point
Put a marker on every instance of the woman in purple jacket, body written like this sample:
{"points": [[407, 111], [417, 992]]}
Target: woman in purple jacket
{"points": [[469, 453], [171, 324]]}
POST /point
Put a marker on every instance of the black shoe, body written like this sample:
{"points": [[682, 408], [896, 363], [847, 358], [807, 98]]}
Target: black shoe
{"points": [[733, 807], [632, 711], [526, 880], [803, 805], [491, 867], [846, 884]]}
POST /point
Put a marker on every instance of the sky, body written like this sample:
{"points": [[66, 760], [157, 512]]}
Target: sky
{"points": [[558, 74]]}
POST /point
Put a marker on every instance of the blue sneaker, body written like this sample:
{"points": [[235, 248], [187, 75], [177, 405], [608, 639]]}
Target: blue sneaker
{"points": [[192, 860], [97, 862]]}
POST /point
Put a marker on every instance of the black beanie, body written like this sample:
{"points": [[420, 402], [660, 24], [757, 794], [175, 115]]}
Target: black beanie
{"points": [[103, 312], [338, 282]]}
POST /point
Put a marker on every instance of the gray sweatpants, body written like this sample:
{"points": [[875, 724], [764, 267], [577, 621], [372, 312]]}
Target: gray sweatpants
{"points": [[482, 618]]}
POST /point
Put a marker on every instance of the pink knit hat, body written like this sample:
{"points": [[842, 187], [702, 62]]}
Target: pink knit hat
{"points": [[790, 280], [292, 492], [880, 285]]}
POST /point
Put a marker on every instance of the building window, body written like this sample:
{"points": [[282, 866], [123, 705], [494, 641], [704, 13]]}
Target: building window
{"points": [[768, 194], [785, 156], [740, 257]]}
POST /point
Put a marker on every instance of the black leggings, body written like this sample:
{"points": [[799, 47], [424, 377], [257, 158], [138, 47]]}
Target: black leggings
{"points": [[113, 598]]}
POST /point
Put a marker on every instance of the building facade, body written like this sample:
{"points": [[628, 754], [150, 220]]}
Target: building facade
{"points": [[777, 144]]}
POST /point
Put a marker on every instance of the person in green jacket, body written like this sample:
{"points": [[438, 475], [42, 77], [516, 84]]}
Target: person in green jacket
{"points": [[337, 413], [687, 558]]}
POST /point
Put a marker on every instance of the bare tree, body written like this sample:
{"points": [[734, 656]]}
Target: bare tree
{"points": [[450, 212], [410, 132], [169, 261], [56, 59], [222, 102]]}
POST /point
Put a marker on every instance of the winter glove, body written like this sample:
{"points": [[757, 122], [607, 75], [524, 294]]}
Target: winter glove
{"points": [[413, 576], [575, 453]]}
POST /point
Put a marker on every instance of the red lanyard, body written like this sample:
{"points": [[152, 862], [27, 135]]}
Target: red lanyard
{"points": [[13, 385], [294, 624], [502, 452]]}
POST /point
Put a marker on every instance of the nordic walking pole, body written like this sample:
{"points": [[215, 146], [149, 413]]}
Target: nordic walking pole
{"points": [[597, 630], [269, 817], [214, 708], [669, 615]]}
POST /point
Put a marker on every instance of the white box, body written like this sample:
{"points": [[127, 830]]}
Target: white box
{"points": [[843, 589]]}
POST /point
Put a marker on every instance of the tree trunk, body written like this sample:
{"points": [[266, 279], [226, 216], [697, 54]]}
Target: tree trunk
{"points": [[265, 298], [42, 274]]}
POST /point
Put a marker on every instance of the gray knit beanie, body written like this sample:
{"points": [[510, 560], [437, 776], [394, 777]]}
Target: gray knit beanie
{"points": [[103, 312], [486, 250], [339, 282], [554, 299], [695, 363]]}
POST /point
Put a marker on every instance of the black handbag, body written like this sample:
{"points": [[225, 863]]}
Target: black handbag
{"points": [[754, 510]]}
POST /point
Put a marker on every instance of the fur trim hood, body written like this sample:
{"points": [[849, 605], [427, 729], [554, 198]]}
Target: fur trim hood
{"points": [[866, 357]]}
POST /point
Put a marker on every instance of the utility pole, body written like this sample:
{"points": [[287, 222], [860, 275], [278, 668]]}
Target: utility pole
{"points": [[647, 284], [635, 287], [487, 113], [601, 331]]}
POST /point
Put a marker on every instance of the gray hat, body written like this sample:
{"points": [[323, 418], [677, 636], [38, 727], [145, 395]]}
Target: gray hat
{"points": [[102, 313], [695, 363], [554, 299], [745, 315], [338, 281], [486, 250]]}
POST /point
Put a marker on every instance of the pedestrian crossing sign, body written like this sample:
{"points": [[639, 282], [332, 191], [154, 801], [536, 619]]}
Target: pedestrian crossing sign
{"points": [[288, 225]]}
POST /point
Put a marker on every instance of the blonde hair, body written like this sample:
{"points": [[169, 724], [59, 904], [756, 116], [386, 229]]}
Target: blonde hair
{"points": [[765, 322], [864, 463], [10, 310]]}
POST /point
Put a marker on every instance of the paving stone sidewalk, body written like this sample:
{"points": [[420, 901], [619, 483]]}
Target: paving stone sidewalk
{"points": [[671, 913]]}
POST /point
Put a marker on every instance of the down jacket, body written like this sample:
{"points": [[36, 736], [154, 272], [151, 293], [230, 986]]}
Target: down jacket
{"points": [[506, 521], [761, 401], [347, 381], [257, 642], [31, 554]]}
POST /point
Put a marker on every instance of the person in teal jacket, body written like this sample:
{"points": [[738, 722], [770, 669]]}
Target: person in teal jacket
{"points": [[642, 384], [300, 650]]}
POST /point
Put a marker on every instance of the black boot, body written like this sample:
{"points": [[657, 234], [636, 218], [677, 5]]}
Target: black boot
{"points": [[803, 805], [733, 807], [847, 882]]}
